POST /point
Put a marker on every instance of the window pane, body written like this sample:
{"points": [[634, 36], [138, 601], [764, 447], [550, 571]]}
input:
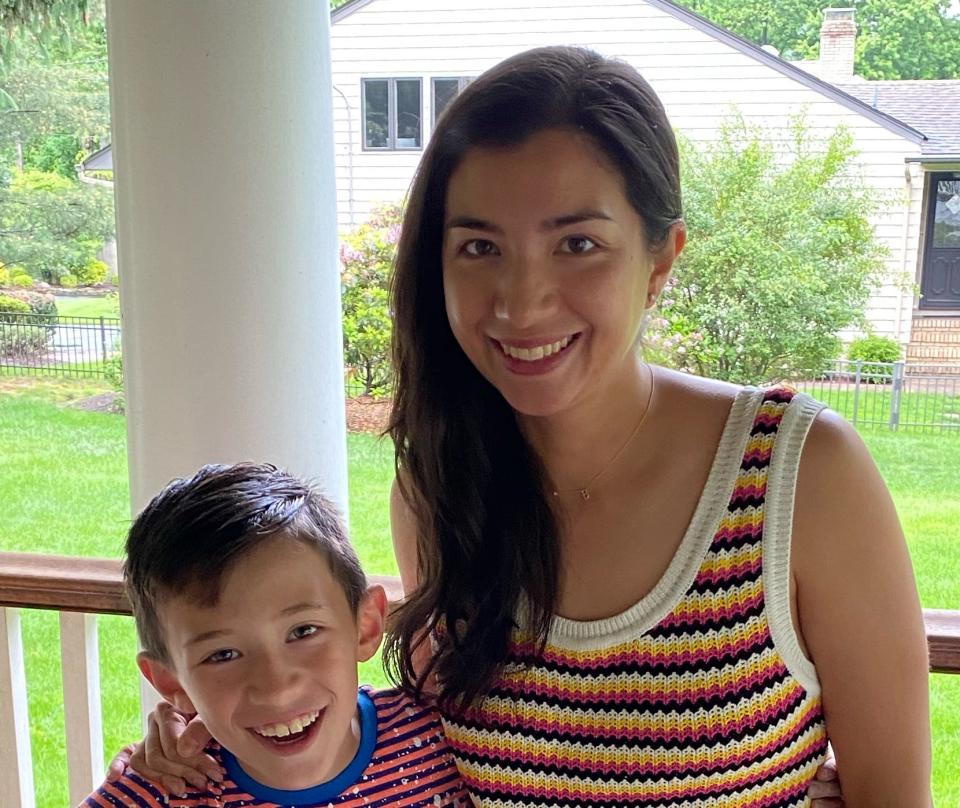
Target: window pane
{"points": [[408, 113], [376, 107], [444, 91], [946, 216]]}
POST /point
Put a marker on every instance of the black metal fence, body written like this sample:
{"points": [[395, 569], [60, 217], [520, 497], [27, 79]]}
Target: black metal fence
{"points": [[41, 344], [895, 395]]}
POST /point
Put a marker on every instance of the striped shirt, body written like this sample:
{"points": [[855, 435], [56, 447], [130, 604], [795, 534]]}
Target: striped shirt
{"points": [[697, 695], [402, 761]]}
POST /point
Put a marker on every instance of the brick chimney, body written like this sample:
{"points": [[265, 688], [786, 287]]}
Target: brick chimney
{"points": [[838, 41]]}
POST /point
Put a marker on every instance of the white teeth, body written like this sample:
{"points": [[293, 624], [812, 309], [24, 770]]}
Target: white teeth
{"points": [[298, 724], [535, 354]]}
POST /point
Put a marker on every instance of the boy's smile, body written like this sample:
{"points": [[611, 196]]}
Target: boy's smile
{"points": [[271, 667]]}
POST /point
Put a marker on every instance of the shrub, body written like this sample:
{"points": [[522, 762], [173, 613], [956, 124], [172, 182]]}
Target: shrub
{"points": [[113, 372], [21, 281], [366, 259], [874, 349], [56, 154], [91, 273], [44, 306], [781, 255], [68, 281], [4, 276], [11, 306], [20, 335]]}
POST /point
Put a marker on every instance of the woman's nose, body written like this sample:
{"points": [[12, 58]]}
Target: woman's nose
{"points": [[526, 293]]}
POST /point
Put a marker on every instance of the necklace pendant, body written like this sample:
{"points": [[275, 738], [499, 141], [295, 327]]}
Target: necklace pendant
{"points": [[584, 494]]}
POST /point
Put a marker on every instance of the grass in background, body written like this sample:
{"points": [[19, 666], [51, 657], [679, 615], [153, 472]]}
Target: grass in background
{"points": [[63, 483], [936, 410], [87, 307]]}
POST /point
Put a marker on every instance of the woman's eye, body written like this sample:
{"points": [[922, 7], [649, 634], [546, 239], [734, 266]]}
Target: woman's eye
{"points": [[578, 245], [480, 247], [303, 631], [224, 655]]}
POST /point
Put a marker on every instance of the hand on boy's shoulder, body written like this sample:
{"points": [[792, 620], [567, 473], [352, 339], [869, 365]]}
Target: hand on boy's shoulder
{"points": [[134, 790]]}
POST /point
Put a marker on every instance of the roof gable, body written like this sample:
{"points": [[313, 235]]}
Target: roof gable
{"points": [[928, 105], [749, 49]]}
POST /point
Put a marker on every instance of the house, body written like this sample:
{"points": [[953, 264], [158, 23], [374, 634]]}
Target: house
{"points": [[397, 63]]}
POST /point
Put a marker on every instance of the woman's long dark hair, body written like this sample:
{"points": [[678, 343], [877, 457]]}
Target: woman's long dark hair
{"points": [[486, 533]]}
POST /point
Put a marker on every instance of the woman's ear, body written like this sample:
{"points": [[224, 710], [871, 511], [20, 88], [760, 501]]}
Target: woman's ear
{"points": [[165, 681], [371, 616], [663, 257]]}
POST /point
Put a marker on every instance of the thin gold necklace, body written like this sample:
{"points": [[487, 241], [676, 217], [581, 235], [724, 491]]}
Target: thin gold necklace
{"points": [[584, 491]]}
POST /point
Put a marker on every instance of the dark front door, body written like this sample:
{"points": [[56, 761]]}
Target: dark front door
{"points": [[940, 284]]}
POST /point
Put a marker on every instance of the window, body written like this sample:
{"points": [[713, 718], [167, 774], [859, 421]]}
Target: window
{"points": [[444, 91], [392, 117]]}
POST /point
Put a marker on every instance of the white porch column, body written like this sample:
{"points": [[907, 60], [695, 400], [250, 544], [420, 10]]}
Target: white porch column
{"points": [[226, 230]]}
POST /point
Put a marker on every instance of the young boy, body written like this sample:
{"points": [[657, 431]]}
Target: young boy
{"points": [[253, 613]]}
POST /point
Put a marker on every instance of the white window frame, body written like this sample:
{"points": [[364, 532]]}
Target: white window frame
{"points": [[392, 139], [462, 82]]}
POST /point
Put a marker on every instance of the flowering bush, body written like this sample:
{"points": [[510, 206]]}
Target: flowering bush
{"points": [[366, 260], [781, 256], [22, 335]]}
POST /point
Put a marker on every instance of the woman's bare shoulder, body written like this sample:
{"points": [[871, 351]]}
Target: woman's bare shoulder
{"points": [[695, 398]]}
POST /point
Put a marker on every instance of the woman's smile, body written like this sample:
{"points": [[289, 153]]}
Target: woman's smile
{"points": [[546, 277]]}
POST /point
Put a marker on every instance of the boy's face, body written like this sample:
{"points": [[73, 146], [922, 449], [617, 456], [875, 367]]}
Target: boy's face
{"points": [[272, 667]]}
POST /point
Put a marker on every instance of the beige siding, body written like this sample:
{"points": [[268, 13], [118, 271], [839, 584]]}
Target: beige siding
{"points": [[699, 78]]}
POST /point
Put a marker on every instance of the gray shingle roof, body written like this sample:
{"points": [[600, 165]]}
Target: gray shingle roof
{"points": [[932, 107]]}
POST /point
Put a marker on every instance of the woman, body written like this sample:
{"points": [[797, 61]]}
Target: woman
{"points": [[627, 586]]}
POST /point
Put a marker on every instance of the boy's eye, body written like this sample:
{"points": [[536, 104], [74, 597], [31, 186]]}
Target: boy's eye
{"points": [[303, 631], [480, 247], [224, 655], [578, 245]]}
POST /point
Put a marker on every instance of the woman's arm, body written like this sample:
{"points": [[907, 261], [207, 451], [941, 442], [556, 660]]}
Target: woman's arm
{"points": [[403, 528], [859, 617], [172, 753]]}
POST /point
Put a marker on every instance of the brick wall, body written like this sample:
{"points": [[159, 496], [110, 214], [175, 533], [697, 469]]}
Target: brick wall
{"points": [[935, 340]]}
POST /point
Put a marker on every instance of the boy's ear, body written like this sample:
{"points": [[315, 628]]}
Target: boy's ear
{"points": [[165, 682], [371, 615]]}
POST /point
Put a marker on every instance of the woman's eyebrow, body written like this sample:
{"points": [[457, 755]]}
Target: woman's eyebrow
{"points": [[553, 223], [585, 215], [472, 223]]}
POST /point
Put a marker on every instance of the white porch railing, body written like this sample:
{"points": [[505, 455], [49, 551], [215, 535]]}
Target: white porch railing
{"points": [[81, 588]]}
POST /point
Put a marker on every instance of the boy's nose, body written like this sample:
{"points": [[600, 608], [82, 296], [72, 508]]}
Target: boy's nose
{"points": [[271, 680]]}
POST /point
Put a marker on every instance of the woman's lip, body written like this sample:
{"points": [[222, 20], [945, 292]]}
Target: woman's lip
{"points": [[534, 342], [536, 367]]}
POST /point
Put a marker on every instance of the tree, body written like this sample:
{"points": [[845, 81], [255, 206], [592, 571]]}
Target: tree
{"points": [[56, 89], [898, 39], [52, 226], [781, 256]]}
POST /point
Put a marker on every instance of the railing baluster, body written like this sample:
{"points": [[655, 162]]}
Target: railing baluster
{"points": [[149, 698], [16, 763], [81, 703]]}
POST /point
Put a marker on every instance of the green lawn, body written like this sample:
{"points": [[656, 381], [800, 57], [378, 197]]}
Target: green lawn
{"points": [[63, 484], [87, 307]]}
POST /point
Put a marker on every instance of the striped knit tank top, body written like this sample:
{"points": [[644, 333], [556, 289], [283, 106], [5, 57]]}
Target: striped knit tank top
{"points": [[699, 694]]}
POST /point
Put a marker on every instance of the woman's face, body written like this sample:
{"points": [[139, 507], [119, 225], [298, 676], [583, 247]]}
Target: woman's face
{"points": [[547, 272]]}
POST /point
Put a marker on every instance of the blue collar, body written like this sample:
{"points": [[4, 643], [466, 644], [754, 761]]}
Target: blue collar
{"points": [[324, 791]]}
